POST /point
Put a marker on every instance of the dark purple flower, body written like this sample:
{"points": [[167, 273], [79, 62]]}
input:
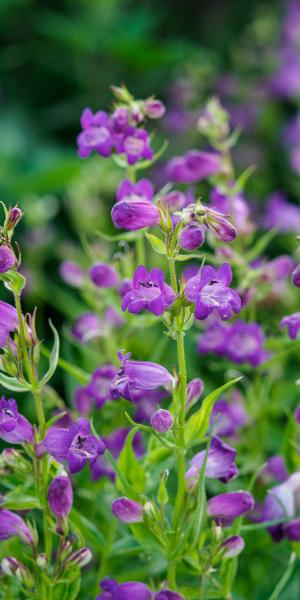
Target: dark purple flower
{"points": [[281, 214], [71, 273], [210, 291], [292, 530], [146, 402], [100, 384], [219, 225], [12, 524], [297, 414], [292, 322], [131, 590], [82, 401], [193, 392], [228, 417], [194, 166], [60, 499], [13, 217], [76, 444], [14, 428], [162, 420], [230, 505], [285, 82], [7, 259], [134, 209], [220, 463], [87, 327], [232, 546], [296, 276], [150, 292], [192, 236], [276, 468], [168, 595], [113, 318], [103, 275], [245, 343], [96, 135], [127, 510], [214, 339]]}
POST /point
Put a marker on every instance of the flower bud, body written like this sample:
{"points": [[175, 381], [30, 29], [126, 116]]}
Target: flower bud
{"points": [[7, 259], [193, 392], [168, 595], [15, 460], [79, 558], [192, 237], [219, 225], [104, 276], [133, 213], [154, 109], [230, 505], [13, 568], [232, 546], [13, 217], [162, 420], [150, 511], [60, 498], [42, 560], [127, 510]]}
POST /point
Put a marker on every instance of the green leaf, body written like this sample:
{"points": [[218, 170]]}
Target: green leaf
{"points": [[130, 466], [258, 248], [197, 424], [91, 532], [276, 595], [156, 243], [55, 418], [12, 383], [129, 236], [53, 359], [184, 257], [14, 281], [20, 501]]}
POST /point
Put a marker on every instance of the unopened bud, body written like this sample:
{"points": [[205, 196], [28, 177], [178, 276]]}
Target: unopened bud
{"points": [[79, 559], [42, 560], [13, 217], [154, 109], [13, 568]]}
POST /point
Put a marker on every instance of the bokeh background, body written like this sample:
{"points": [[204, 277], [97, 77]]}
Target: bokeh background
{"points": [[57, 57]]}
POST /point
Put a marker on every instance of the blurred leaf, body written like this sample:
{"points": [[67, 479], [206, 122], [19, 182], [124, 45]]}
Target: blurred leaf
{"points": [[156, 243], [12, 383], [20, 501], [53, 359], [130, 466]]}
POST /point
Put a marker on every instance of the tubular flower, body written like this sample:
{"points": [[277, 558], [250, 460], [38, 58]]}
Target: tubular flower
{"points": [[138, 375], [292, 322], [220, 463], [76, 444], [194, 166], [134, 209], [14, 428], [131, 590], [230, 505], [210, 291], [127, 510], [12, 524], [150, 292]]}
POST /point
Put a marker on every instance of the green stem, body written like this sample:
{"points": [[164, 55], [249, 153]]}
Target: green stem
{"points": [[107, 549], [171, 574], [140, 250], [36, 392]]}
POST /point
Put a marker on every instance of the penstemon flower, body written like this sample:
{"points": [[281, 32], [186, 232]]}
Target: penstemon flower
{"points": [[150, 292], [209, 291]]}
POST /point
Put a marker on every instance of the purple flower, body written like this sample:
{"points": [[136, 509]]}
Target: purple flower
{"points": [[8, 321], [134, 209], [136, 145], [276, 468], [100, 384], [7, 259], [175, 200], [281, 214], [228, 417], [139, 375], [194, 166], [127, 510], [131, 590], [214, 339], [96, 135], [146, 402], [71, 273], [210, 291], [104, 276], [87, 327], [245, 343], [76, 444], [12, 524], [292, 322], [14, 428], [60, 499], [233, 546], [220, 463], [82, 401], [296, 276], [13, 217], [292, 530], [219, 225], [297, 414], [235, 206], [193, 392], [162, 420], [150, 292], [281, 502], [230, 505], [168, 595], [192, 236]]}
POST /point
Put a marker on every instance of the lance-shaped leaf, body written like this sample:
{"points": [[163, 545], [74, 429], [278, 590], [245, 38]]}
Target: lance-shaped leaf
{"points": [[197, 424], [53, 359], [130, 466], [12, 383], [156, 243]]}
